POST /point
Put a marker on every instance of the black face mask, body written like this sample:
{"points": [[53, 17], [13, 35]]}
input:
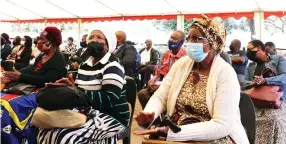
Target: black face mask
{"points": [[2, 41], [83, 44], [96, 49], [252, 55], [231, 47]]}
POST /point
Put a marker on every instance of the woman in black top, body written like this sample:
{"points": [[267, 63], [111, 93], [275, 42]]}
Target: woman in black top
{"points": [[48, 67], [23, 56]]}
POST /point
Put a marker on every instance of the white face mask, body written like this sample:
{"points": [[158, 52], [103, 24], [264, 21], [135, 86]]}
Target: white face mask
{"points": [[22, 42]]}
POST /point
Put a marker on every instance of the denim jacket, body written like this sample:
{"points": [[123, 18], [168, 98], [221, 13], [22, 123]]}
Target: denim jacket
{"points": [[276, 63]]}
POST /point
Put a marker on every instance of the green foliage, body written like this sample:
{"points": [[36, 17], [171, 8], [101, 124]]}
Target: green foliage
{"points": [[230, 24], [170, 25]]}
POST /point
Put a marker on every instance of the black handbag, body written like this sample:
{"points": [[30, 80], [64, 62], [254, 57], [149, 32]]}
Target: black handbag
{"points": [[20, 88], [59, 98]]}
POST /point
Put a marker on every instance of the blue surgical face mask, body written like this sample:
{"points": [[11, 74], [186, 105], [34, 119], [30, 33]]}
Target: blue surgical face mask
{"points": [[196, 52], [272, 53], [173, 45]]}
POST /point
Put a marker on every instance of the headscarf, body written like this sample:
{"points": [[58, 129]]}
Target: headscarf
{"points": [[110, 38], [213, 30], [6, 37], [53, 34]]}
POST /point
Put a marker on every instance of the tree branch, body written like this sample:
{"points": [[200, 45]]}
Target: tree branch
{"points": [[273, 24]]}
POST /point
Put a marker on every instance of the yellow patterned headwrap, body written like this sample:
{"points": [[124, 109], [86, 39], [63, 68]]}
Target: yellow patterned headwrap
{"points": [[213, 30]]}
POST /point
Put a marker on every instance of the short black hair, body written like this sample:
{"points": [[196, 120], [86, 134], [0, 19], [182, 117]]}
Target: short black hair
{"points": [[17, 40], [257, 43], [270, 44], [130, 42], [182, 38], [70, 38]]}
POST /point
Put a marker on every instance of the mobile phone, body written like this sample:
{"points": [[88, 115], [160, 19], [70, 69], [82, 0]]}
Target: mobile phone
{"points": [[7, 65], [158, 82]]}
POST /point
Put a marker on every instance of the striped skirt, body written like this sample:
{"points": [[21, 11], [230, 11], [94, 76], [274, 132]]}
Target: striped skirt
{"points": [[99, 129]]}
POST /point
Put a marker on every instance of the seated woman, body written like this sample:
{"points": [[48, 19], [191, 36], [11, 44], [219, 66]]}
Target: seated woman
{"points": [[16, 111], [101, 77], [270, 123], [196, 93], [23, 55], [16, 46], [48, 67]]}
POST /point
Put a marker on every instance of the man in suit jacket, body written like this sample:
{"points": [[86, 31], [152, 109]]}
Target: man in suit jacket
{"points": [[81, 55], [5, 46], [150, 57], [126, 54]]}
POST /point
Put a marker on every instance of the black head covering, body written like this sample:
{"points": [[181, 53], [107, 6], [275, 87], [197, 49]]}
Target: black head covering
{"points": [[58, 98]]}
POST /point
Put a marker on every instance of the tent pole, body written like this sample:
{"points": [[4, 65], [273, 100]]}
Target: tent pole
{"points": [[79, 30], [46, 22], [180, 22], [259, 23], [19, 26], [122, 23]]}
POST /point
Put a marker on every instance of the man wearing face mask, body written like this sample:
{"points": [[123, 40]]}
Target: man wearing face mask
{"points": [[238, 58], [174, 53], [5, 46], [81, 55]]}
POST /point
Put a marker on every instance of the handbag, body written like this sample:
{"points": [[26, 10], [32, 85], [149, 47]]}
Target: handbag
{"points": [[20, 88], [266, 96], [60, 98]]}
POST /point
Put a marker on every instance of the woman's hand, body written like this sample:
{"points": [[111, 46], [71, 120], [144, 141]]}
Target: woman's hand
{"points": [[259, 80], [63, 82], [5, 80], [11, 75], [75, 65], [162, 131], [144, 119]]}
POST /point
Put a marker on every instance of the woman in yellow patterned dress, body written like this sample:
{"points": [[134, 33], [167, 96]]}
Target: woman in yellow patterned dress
{"points": [[201, 92]]}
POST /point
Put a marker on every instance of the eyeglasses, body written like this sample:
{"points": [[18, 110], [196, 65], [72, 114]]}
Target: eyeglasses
{"points": [[194, 39]]}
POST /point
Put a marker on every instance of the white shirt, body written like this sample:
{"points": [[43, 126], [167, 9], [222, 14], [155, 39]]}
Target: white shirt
{"points": [[83, 50], [145, 56]]}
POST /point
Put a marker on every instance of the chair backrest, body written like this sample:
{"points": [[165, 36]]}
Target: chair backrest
{"points": [[247, 112], [131, 92], [66, 57]]}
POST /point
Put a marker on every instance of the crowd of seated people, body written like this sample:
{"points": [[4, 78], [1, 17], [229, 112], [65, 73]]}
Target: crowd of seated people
{"points": [[196, 90], [198, 86]]}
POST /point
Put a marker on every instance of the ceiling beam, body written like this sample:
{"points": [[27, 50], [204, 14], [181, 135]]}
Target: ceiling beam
{"points": [[25, 8], [74, 15], [179, 12], [258, 6], [109, 7], [9, 16]]}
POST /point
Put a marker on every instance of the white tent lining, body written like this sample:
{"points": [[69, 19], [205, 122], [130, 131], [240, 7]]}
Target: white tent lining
{"points": [[111, 8]]}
